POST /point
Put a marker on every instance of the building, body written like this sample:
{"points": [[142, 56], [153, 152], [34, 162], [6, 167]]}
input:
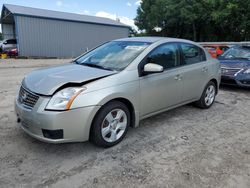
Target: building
{"points": [[46, 33]]}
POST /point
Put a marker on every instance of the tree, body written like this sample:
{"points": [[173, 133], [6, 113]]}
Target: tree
{"points": [[198, 20], [132, 32]]}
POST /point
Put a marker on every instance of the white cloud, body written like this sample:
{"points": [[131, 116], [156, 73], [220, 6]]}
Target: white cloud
{"points": [[138, 2], [129, 4], [122, 19], [84, 12], [106, 15], [59, 3]]}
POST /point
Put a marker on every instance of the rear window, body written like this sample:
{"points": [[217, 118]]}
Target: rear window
{"points": [[11, 41], [192, 54], [209, 48]]}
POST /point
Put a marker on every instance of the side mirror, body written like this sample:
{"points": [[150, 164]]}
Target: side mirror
{"points": [[151, 68]]}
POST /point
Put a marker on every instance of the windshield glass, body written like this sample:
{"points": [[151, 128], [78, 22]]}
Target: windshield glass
{"points": [[237, 53], [115, 55]]}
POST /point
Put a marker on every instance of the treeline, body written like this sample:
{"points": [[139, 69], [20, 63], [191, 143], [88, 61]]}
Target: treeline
{"points": [[198, 20]]}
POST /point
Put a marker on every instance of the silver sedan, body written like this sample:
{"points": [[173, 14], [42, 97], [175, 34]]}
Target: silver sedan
{"points": [[102, 93]]}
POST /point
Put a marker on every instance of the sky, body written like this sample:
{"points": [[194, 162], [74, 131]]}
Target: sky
{"points": [[125, 10]]}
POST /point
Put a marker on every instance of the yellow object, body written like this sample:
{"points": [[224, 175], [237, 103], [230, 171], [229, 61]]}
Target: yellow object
{"points": [[4, 56]]}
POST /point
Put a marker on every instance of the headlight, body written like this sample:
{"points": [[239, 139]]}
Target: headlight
{"points": [[63, 99], [247, 71]]}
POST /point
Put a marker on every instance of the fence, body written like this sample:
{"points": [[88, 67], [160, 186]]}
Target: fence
{"points": [[247, 43]]}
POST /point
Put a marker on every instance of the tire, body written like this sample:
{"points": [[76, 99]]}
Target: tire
{"points": [[205, 101], [107, 128]]}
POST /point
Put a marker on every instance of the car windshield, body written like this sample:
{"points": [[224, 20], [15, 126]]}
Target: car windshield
{"points": [[237, 53], [115, 55]]}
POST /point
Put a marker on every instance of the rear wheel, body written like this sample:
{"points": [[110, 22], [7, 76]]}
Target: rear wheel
{"points": [[208, 96], [110, 124]]}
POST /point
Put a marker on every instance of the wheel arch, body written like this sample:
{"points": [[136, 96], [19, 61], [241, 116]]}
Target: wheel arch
{"points": [[214, 80], [125, 101], [216, 84]]}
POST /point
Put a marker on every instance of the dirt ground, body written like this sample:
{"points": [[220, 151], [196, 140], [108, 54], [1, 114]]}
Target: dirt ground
{"points": [[184, 147]]}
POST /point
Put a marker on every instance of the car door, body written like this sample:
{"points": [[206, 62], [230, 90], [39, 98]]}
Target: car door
{"points": [[161, 90], [195, 71]]}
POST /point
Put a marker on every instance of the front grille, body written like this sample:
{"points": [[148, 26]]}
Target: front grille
{"points": [[247, 82], [27, 98], [230, 71]]}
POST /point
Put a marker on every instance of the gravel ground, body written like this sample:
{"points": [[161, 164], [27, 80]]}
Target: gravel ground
{"points": [[184, 147]]}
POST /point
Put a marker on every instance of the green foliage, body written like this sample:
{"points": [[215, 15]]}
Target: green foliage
{"points": [[198, 20], [132, 32]]}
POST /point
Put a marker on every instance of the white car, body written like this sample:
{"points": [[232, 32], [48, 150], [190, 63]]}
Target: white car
{"points": [[8, 44]]}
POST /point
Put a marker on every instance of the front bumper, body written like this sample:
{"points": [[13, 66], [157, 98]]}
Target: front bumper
{"points": [[75, 124], [242, 80]]}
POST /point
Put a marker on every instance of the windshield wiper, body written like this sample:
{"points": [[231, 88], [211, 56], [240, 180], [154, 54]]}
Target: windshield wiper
{"points": [[96, 66]]}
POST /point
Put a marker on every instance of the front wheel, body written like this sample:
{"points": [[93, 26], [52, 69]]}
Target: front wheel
{"points": [[208, 96], [110, 124]]}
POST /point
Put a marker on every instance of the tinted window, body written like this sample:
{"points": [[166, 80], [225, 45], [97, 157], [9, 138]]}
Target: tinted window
{"points": [[165, 55], [192, 54], [11, 41]]}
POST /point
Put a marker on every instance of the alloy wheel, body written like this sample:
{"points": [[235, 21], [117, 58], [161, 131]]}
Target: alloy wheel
{"points": [[210, 95], [114, 125]]}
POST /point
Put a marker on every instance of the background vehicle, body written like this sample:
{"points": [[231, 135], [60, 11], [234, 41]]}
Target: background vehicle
{"points": [[105, 91], [235, 66], [8, 44], [216, 50], [1, 46], [13, 52]]}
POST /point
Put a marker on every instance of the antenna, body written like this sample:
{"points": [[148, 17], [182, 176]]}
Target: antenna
{"points": [[117, 18]]}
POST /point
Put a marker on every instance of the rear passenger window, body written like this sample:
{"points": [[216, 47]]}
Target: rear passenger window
{"points": [[165, 55], [11, 41], [192, 54]]}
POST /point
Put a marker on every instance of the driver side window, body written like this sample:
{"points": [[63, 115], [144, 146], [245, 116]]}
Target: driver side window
{"points": [[165, 55]]}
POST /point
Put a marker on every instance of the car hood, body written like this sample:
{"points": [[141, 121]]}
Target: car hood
{"points": [[47, 81], [235, 63]]}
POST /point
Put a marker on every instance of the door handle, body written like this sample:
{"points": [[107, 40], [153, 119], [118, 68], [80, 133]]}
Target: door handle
{"points": [[178, 77], [204, 69]]}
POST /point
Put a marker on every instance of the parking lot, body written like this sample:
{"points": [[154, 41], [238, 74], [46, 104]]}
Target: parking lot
{"points": [[184, 147]]}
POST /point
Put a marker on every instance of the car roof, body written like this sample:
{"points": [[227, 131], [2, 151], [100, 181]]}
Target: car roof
{"points": [[153, 39]]}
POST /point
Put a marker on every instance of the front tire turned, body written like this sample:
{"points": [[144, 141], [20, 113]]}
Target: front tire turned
{"points": [[110, 124]]}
